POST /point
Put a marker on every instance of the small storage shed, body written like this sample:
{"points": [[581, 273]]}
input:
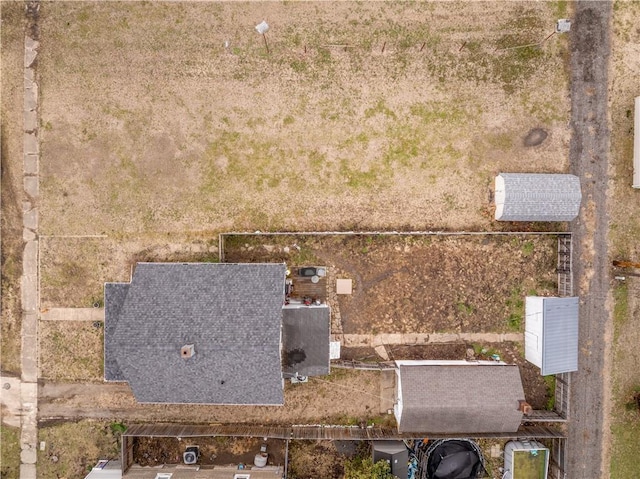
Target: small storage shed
{"points": [[395, 453], [537, 197], [551, 334], [457, 397], [525, 460]]}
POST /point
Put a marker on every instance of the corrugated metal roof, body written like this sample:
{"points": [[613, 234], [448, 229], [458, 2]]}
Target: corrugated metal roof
{"points": [[537, 197], [560, 335]]}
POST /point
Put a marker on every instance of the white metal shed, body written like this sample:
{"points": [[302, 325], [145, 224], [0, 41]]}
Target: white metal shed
{"points": [[551, 333], [537, 197]]}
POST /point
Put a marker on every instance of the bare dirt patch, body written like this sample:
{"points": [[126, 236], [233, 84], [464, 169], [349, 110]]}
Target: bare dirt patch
{"points": [[329, 130], [213, 450], [316, 459], [421, 283], [71, 350]]}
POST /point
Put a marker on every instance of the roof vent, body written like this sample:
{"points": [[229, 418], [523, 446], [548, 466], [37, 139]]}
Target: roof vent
{"points": [[187, 351]]}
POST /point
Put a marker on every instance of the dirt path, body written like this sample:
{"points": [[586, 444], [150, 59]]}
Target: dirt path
{"points": [[590, 44]]}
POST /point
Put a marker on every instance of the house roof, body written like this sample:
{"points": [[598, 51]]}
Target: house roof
{"points": [[460, 399], [306, 335], [230, 313], [551, 333], [537, 197]]}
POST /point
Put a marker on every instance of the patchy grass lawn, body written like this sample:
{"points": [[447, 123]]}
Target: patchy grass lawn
{"points": [[71, 351], [9, 452], [74, 270], [73, 448], [624, 234], [364, 115]]}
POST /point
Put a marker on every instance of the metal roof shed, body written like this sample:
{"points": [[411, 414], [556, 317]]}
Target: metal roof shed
{"points": [[537, 197], [551, 334]]}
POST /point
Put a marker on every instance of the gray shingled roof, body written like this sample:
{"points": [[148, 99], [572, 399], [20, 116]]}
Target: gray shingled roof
{"points": [[460, 399], [537, 197], [231, 313], [305, 335]]}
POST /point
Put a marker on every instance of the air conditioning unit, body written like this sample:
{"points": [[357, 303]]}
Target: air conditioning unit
{"points": [[191, 455]]}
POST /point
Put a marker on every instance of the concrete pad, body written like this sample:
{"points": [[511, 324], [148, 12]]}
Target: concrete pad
{"points": [[29, 76], [29, 57], [382, 352], [29, 284], [31, 164], [444, 338], [386, 339], [344, 286], [30, 324], [72, 314], [30, 219], [30, 43], [27, 471], [28, 235], [356, 340], [30, 120], [31, 98], [29, 455], [11, 402], [30, 144], [29, 363]]}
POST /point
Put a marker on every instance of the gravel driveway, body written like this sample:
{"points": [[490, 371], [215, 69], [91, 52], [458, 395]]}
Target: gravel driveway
{"points": [[590, 47]]}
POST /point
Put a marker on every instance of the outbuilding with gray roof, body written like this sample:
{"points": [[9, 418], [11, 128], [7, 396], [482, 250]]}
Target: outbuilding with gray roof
{"points": [[537, 197], [457, 397]]}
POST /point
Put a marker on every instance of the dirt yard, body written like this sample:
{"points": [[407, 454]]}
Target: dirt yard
{"points": [[213, 450], [421, 284]]}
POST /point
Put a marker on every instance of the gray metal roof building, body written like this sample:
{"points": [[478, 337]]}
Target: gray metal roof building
{"points": [[537, 197], [458, 397], [306, 336], [197, 333], [551, 334]]}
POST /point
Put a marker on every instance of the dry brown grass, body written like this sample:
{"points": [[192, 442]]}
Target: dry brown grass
{"points": [[71, 351], [150, 125], [73, 448], [11, 57], [625, 231]]}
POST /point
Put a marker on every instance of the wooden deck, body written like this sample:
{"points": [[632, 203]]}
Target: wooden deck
{"points": [[304, 286]]}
